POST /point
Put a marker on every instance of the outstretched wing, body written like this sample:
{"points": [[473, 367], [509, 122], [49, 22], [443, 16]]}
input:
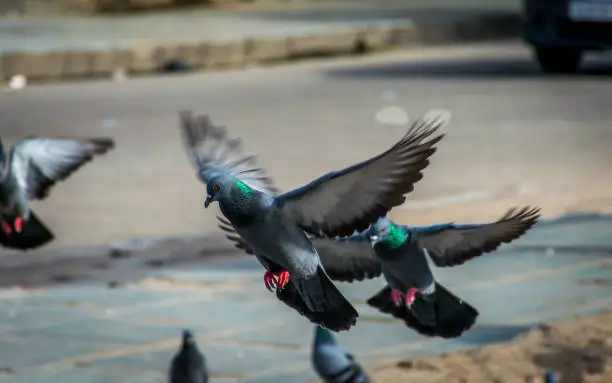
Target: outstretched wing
{"points": [[341, 202], [343, 261], [456, 244], [211, 152], [39, 163]]}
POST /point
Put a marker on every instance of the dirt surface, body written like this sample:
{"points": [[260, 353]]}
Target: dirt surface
{"points": [[578, 350]]}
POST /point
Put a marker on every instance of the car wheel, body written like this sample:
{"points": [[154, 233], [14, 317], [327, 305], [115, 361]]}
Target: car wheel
{"points": [[557, 60]]}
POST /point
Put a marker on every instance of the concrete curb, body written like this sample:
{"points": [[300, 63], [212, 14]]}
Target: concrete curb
{"points": [[212, 55]]}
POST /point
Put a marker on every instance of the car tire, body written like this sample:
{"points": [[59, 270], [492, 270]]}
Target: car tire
{"points": [[558, 60]]}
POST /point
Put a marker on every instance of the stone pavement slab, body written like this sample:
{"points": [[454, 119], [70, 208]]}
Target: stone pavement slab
{"points": [[90, 333]]}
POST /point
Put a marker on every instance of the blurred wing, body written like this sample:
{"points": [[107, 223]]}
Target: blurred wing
{"points": [[460, 243], [347, 261], [38, 163], [341, 202], [343, 261], [236, 239], [212, 152]]}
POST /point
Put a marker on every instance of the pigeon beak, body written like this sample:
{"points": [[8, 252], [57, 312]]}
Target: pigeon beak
{"points": [[374, 240], [208, 201]]}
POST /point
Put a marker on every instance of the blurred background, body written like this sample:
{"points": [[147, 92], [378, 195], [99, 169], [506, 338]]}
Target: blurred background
{"points": [[310, 86]]}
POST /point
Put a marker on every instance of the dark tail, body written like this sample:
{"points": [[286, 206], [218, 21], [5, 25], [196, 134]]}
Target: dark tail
{"points": [[34, 234], [334, 311], [451, 315]]}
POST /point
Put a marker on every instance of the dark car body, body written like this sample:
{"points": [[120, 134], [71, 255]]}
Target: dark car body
{"points": [[560, 30]]}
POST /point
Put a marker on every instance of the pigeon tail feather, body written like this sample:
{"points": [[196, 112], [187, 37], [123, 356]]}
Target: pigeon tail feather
{"points": [[452, 315]]}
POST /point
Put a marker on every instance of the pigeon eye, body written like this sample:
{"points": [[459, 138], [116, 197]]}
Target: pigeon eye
{"points": [[383, 229], [217, 187]]}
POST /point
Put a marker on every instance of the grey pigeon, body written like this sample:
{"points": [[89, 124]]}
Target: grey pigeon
{"points": [[34, 166], [412, 293], [354, 258], [188, 364], [332, 363], [339, 203]]}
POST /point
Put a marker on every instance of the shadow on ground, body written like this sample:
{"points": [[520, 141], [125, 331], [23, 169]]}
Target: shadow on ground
{"points": [[461, 69]]}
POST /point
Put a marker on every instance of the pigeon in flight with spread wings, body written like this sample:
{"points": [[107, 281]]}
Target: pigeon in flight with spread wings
{"points": [[398, 252], [338, 203], [34, 165]]}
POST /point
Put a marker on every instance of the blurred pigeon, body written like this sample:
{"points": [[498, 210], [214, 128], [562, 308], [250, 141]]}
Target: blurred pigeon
{"points": [[34, 166], [332, 363], [550, 377], [413, 294], [188, 364], [336, 204]]}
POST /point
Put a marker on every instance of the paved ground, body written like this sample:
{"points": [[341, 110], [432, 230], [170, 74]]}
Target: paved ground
{"points": [[515, 138], [94, 334], [61, 33]]}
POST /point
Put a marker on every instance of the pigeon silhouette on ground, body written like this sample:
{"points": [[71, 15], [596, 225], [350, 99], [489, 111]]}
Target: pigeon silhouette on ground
{"points": [[188, 364], [332, 363], [412, 293], [34, 165], [277, 226]]}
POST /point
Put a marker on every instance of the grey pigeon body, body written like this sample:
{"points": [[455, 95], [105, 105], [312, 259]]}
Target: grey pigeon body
{"points": [[188, 364], [34, 165], [332, 363], [435, 311], [278, 227]]}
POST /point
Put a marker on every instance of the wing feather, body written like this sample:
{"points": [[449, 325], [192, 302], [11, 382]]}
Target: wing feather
{"points": [[455, 245], [211, 152], [39, 163], [342, 202], [343, 261]]}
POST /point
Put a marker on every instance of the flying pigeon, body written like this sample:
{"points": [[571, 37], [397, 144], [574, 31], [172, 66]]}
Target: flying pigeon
{"points": [[332, 363], [412, 293], [339, 203], [34, 166], [354, 258], [188, 364]]}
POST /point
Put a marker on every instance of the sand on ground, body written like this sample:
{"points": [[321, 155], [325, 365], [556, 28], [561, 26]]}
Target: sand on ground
{"points": [[578, 350]]}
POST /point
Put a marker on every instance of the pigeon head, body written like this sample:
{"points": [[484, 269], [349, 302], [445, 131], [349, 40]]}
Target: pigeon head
{"points": [[323, 336], [188, 337], [226, 187], [384, 231]]}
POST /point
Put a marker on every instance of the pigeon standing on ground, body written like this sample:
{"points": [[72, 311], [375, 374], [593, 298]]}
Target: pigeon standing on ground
{"points": [[188, 364], [34, 165], [412, 293], [339, 203], [332, 363]]}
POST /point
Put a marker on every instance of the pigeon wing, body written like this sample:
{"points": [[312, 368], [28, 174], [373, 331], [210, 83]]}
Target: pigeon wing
{"points": [[341, 202], [211, 152], [347, 261], [455, 245], [39, 163], [343, 261]]}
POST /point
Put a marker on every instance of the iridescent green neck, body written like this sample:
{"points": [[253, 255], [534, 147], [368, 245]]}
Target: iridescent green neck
{"points": [[244, 188], [396, 237]]}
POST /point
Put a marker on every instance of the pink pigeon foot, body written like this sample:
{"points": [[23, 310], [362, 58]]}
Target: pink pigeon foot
{"points": [[396, 296], [410, 296], [18, 224], [6, 228]]}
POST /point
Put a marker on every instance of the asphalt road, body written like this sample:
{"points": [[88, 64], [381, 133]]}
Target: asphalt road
{"points": [[516, 137]]}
